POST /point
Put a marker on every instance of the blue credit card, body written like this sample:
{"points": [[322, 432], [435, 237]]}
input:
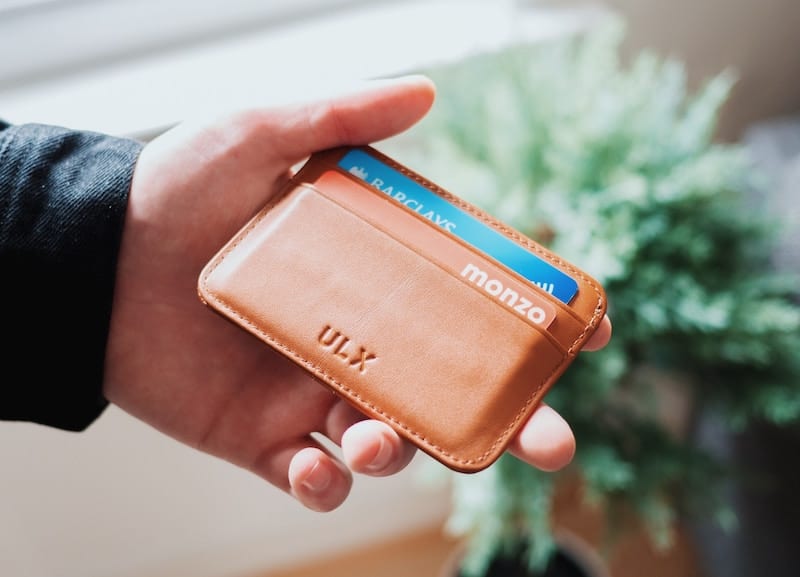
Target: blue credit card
{"points": [[415, 196]]}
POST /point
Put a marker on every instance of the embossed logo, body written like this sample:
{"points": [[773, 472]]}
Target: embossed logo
{"points": [[340, 345]]}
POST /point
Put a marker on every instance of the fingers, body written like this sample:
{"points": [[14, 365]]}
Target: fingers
{"points": [[341, 416], [369, 447], [317, 480], [307, 471], [380, 110], [373, 448], [321, 482], [600, 337], [546, 441]]}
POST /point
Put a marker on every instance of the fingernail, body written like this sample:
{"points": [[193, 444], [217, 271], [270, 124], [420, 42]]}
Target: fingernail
{"points": [[382, 457], [317, 479]]}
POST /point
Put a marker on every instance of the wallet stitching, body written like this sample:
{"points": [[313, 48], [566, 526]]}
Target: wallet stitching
{"points": [[330, 379]]}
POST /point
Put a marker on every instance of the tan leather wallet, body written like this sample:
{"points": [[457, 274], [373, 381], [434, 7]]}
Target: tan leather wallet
{"points": [[417, 307]]}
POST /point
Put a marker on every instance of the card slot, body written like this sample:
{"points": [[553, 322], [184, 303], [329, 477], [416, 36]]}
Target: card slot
{"points": [[389, 330], [570, 327], [587, 306], [456, 258]]}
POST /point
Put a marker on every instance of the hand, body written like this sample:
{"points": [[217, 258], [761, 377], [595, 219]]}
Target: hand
{"points": [[193, 375]]}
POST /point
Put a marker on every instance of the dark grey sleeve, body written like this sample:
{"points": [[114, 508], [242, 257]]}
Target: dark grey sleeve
{"points": [[63, 196]]}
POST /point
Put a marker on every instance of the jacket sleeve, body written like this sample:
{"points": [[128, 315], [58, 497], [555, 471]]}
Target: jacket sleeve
{"points": [[63, 196]]}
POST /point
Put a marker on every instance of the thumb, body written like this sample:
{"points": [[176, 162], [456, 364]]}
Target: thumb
{"points": [[383, 108]]}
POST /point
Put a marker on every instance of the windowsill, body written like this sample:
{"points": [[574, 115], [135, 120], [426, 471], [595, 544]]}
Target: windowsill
{"points": [[300, 61]]}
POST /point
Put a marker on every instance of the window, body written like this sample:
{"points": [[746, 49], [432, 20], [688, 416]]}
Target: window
{"points": [[137, 66], [47, 37]]}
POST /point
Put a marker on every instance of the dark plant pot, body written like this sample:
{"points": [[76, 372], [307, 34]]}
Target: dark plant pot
{"points": [[561, 565], [573, 558]]}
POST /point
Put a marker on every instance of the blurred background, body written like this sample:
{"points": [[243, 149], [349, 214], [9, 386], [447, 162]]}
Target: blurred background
{"points": [[655, 144]]}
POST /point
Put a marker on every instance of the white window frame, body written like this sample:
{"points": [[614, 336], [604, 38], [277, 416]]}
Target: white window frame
{"points": [[43, 38], [137, 80]]}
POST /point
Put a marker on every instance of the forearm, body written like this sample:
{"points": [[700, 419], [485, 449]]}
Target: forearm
{"points": [[63, 196]]}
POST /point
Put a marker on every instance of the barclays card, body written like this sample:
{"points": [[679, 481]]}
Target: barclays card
{"points": [[481, 236]]}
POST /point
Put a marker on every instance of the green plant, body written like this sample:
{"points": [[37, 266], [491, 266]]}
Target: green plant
{"points": [[615, 167]]}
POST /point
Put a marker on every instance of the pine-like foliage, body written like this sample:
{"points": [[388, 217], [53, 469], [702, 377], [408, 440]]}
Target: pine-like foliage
{"points": [[615, 167]]}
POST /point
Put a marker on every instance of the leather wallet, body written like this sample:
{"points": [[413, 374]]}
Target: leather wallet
{"points": [[412, 304]]}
